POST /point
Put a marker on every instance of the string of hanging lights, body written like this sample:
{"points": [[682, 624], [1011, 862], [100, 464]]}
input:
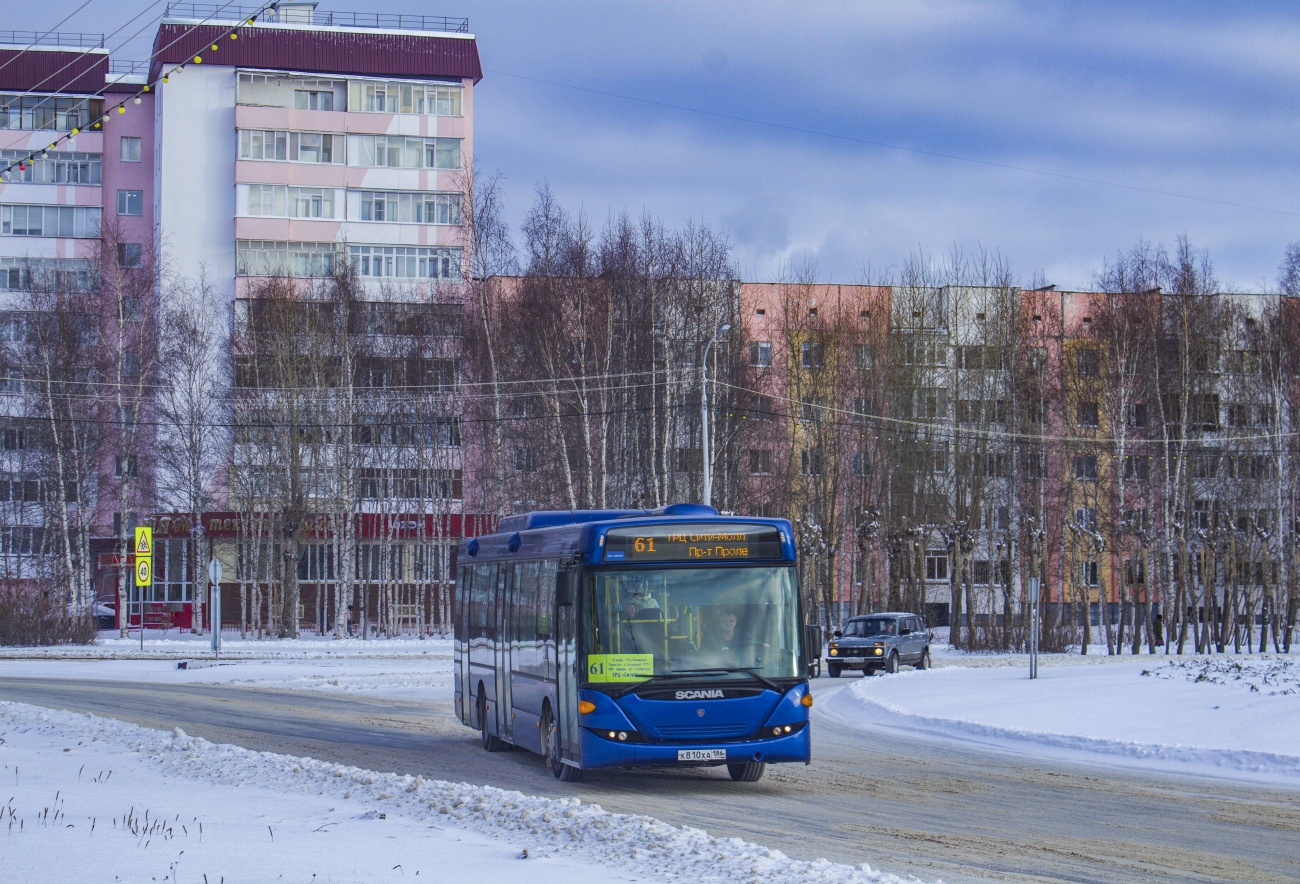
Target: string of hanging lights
{"points": [[22, 163]]}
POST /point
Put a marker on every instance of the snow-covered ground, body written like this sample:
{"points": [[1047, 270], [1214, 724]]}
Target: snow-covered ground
{"points": [[94, 799], [1236, 717]]}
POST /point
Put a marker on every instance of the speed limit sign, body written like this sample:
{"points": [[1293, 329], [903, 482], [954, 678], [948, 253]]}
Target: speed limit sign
{"points": [[143, 571]]}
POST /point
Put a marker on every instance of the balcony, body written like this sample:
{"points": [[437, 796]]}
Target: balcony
{"points": [[306, 14]]}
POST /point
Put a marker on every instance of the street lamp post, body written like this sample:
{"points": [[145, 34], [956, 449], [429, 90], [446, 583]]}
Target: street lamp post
{"points": [[704, 416]]}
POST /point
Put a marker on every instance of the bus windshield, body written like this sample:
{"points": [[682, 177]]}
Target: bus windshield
{"points": [[692, 622]]}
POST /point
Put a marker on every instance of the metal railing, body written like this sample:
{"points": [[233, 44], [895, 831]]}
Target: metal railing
{"points": [[116, 66], [212, 12], [36, 38]]}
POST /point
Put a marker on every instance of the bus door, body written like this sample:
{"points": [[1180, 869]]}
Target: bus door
{"points": [[504, 630], [566, 657]]}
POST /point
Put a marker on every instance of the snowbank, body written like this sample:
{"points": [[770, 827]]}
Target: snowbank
{"points": [[1218, 717], [255, 815]]}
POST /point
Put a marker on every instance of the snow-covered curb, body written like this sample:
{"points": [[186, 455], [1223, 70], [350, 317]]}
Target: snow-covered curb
{"points": [[579, 830]]}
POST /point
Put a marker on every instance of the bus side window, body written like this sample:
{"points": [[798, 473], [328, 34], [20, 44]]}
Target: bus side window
{"points": [[526, 605], [458, 600], [480, 599], [545, 599]]}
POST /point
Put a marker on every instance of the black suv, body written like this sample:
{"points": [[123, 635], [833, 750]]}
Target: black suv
{"points": [[879, 641]]}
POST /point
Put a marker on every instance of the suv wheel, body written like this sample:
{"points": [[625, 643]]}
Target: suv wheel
{"points": [[891, 665], [924, 662], [834, 669]]}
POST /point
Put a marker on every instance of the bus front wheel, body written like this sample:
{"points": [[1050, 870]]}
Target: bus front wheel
{"points": [[748, 772], [551, 751]]}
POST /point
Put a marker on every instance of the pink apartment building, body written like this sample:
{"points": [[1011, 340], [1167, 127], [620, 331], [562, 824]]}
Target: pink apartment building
{"points": [[248, 145]]}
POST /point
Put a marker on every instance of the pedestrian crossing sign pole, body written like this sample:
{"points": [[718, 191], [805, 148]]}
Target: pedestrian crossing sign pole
{"points": [[143, 569]]}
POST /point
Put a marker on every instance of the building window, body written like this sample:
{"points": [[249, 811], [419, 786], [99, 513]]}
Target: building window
{"points": [[1137, 467], [77, 221], [760, 462], [405, 262], [60, 167], [316, 562], [61, 113], [1135, 572], [1036, 360], [290, 202], [128, 254], [404, 152], [1085, 467], [1085, 518], [760, 353], [936, 565], [125, 466], [313, 99], [130, 149], [270, 258], [864, 357], [811, 462], [130, 202], [1088, 414], [1035, 466], [862, 463], [294, 147], [1088, 574], [414, 208], [811, 354], [525, 460], [1088, 363], [404, 98]]}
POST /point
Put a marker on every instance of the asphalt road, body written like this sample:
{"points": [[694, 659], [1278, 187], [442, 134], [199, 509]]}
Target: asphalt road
{"points": [[932, 809]]}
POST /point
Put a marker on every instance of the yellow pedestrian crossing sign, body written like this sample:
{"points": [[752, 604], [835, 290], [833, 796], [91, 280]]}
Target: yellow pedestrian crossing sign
{"points": [[144, 541], [143, 571]]}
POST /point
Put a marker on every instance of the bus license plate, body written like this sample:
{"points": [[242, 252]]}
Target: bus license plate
{"points": [[701, 754]]}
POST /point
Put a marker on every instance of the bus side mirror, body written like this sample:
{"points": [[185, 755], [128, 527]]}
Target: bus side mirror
{"points": [[838, 634], [564, 589]]}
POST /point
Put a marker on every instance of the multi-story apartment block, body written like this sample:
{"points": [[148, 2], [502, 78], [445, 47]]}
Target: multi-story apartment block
{"points": [[251, 146], [937, 447]]}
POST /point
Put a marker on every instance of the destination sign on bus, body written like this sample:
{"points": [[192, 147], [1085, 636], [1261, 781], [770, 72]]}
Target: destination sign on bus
{"points": [[705, 542]]}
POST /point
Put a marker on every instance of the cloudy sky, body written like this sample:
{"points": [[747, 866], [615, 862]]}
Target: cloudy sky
{"points": [[854, 132]]}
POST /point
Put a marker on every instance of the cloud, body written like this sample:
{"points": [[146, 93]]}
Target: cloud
{"points": [[1187, 96]]}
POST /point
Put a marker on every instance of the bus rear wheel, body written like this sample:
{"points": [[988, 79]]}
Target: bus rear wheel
{"points": [[747, 772], [551, 751], [490, 742]]}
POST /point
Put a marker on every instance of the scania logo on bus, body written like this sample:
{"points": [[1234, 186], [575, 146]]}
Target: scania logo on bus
{"points": [[711, 694]]}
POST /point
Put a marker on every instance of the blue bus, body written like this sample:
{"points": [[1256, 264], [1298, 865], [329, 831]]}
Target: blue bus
{"points": [[620, 638]]}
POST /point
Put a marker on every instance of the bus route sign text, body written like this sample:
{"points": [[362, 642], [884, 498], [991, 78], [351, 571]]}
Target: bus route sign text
{"points": [[692, 543]]}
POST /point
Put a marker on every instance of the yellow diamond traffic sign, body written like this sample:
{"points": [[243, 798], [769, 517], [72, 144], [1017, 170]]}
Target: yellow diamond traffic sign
{"points": [[143, 571], [144, 541]]}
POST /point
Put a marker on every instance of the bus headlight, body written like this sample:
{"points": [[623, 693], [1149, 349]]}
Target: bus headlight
{"points": [[835, 652]]}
